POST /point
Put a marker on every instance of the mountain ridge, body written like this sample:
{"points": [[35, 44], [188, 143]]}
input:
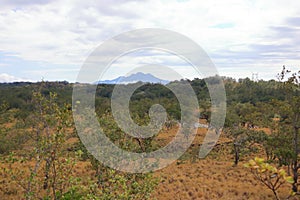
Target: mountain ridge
{"points": [[133, 78]]}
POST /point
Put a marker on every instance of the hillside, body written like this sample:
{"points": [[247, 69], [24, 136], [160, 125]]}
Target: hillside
{"points": [[42, 156]]}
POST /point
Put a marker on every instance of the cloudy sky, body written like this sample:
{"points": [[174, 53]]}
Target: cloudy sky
{"points": [[50, 40]]}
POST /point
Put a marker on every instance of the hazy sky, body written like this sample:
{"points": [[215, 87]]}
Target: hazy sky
{"points": [[51, 39]]}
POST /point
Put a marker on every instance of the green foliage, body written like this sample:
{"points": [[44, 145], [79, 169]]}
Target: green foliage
{"points": [[117, 186], [12, 132], [49, 169], [289, 110], [19, 95], [43, 117], [111, 184], [245, 141], [3, 107]]}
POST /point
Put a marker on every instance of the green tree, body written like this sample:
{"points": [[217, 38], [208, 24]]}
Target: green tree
{"points": [[244, 140], [290, 115], [49, 167]]}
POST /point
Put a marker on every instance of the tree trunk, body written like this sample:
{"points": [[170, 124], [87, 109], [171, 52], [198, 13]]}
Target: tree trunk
{"points": [[236, 154], [139, 140], [46, 176], [275, 194], [295, 161]]}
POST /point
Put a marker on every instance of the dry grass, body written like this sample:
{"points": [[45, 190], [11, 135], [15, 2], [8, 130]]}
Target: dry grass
{"points": [[214, 177], [210, 179]]}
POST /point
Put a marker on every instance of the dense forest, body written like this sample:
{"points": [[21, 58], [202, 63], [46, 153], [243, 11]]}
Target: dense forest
{"points": [[263, 120], [244, 91]]}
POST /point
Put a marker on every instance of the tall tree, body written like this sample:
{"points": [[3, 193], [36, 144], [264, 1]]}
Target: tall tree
{"points": [[290, 115]]}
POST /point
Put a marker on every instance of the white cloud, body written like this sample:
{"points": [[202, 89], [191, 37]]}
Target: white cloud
{"points": [[6, 78], [66, 32]]}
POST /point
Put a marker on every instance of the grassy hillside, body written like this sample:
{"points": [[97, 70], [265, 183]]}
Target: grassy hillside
{"points": [[43, 158]]}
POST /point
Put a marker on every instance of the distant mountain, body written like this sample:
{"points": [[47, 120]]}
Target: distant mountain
{"points": [[133, 78]]}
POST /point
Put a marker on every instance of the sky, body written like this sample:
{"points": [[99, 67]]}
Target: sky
{"points": [[51, 39]]}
